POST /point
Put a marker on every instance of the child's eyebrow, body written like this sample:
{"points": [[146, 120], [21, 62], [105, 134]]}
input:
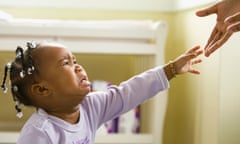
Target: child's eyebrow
{"points": [[63, 58], [66, 57], [60, 60]]}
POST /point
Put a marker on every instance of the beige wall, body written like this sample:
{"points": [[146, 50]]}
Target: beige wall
{"points": [[229, 115], [193, 103], [192, 113]]}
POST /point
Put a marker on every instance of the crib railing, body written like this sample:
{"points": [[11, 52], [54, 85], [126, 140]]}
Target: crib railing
{"points": [[11, 138]]}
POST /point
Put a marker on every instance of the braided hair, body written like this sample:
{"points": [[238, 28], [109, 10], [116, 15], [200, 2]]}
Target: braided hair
{"points": [[21, 72]]}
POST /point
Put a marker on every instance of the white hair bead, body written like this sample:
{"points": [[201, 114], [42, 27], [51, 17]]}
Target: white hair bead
{"points": [[22, 75], [5, 89], [15, 88], [19, 114]]}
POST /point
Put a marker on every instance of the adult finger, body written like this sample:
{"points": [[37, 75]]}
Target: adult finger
{"points": [[212, 36], [207, 11], [230, 30], [214, 39], [218, 44], [235, 27], [232, 19]]}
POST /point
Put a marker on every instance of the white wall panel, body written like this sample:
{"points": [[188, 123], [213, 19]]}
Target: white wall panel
{"points": [[145, 5]]}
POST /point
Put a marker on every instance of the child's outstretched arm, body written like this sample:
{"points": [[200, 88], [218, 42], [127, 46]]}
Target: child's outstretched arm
{"points": [[183, 63], [139, 88]]}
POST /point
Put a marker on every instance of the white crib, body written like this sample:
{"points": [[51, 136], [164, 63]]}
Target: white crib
{"points": [[11, 138]]}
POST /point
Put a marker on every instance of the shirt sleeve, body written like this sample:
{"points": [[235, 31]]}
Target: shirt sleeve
{"points": [[35, 136], [117, 100]]}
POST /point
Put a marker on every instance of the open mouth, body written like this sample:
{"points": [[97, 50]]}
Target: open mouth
{"points": [[84, 81]]}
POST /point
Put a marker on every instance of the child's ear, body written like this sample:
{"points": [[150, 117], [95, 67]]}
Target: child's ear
{"points": [[40, 90]]}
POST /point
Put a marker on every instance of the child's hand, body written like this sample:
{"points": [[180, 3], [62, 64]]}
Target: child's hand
{"points": [[184, 62]]}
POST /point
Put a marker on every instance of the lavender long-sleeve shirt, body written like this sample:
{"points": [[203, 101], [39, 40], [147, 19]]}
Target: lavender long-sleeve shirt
{"points": [[96, 109]]}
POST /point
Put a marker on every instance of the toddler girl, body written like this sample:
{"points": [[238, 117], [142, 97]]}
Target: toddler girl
{"points": [[47, 76]]}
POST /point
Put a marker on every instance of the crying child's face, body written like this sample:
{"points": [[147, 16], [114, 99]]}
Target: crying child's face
{"points": [[66, 81]]}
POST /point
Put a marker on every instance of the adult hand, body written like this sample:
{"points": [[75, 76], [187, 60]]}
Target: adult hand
{"points": [[223, 29], [232, 25]]}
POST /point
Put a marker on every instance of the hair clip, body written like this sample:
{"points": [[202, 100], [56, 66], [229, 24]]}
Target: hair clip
{"points": [[15, 88], [22, 74], [19, 114], [19, 52], [31, 44], [9, 65], [30, 70], [5, 89], [7, 68]]}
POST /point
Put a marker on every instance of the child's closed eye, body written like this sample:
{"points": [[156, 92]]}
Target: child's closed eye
{"points": [[66, 62], [74, 62]]}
